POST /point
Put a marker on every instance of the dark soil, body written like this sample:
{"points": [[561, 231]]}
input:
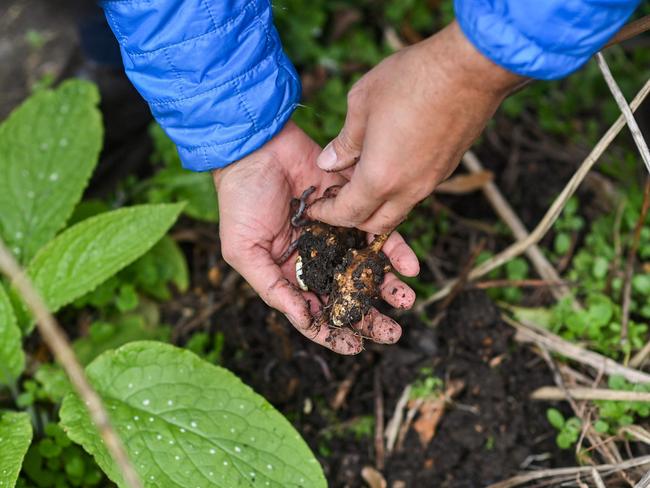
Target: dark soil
{"points": [[322, 248], [489, 432]]}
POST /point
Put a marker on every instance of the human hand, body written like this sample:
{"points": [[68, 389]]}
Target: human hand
{"points": [[409, 121], [254, 205]]}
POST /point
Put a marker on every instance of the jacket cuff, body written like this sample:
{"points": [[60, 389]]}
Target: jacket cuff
{"points": [[213, 73], [543, 40]]}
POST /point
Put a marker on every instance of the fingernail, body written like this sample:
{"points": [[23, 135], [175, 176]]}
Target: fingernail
{"points": [[327, 158]]}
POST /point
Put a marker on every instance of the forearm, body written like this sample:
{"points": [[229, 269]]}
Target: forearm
{"points": [[213, 72]]}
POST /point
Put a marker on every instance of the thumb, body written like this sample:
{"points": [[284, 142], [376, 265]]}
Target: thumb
{"points": [[344, 151]]}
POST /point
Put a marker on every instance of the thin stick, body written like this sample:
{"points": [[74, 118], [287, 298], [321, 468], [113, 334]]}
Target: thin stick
{"points": [[528, 332], [556, 208], [583, 393], [637, 135], [528, 283], [629, 265], [522, 479], [644, 482], [597, 479], [56, 340], [638, 359], [395, 422], [379, 421], [630, 30]]}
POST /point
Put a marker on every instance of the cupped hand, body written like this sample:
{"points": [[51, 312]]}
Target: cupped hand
{"points": [[254, 205], [409, 121]]}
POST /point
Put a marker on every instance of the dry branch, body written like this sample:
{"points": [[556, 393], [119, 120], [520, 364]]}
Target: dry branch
{"points": [[522, 479], [530, 333], [57, 341], [637, 135], [556, 208], [582, 393]]}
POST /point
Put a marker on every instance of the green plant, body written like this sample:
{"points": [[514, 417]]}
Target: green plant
{"points": [[115, 261], [427, 385], [569, 429], [171, 183]]}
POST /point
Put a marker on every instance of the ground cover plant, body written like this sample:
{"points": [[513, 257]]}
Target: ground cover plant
{"points": [[512, 373]]}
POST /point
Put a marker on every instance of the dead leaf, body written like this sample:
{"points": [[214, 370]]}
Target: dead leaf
{"points": [[431, 412], [465, 183], [373, 477]]}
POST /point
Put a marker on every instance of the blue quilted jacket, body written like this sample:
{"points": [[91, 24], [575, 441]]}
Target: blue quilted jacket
{"points": [[218, 82]]}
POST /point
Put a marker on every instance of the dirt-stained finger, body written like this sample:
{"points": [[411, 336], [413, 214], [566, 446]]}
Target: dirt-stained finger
{"points": [[379, 328], [401, 256], [397, 293]]}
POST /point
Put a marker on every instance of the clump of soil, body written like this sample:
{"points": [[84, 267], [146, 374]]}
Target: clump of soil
{"points": [[356, 283], [333, 261], [321, 249]]}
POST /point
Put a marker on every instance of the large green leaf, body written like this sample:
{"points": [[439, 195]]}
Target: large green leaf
{"points": [[15, 437], [48, 150], [12, 357], [187, 423], [89, 252]]}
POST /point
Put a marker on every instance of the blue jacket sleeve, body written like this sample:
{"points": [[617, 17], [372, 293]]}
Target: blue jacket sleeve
{"points": [[212, 71], [543, 39]]}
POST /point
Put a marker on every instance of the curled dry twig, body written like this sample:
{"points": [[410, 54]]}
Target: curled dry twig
{"points": [[56, 340]]}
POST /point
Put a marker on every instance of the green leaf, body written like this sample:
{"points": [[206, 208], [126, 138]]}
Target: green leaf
{"points": [[188, 423], [15, 437], [12, 357], [562, 243], [92, 251], [555, 418], [48, 149]]}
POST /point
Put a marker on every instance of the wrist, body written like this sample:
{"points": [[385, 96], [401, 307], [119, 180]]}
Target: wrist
{"points": [[469, 68]]}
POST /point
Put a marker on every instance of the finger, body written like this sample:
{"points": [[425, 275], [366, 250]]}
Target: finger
{"points": [[401, 256], [397, 293], [341, 341], [343, 151], [352, 206], [379, 328], [386, 218]]}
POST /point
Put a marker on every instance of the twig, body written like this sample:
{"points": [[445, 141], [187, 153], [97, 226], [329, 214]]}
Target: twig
{"points": [[582, 393], [379, 421], [408, 420], [644, 482], [637, 135], [556, 208], [605, 469], [344, 388], [528, 332], [597, 479], [629, 265], [531, 283], [395, 422], [638, 359], [56, 340], [630, 30]]}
